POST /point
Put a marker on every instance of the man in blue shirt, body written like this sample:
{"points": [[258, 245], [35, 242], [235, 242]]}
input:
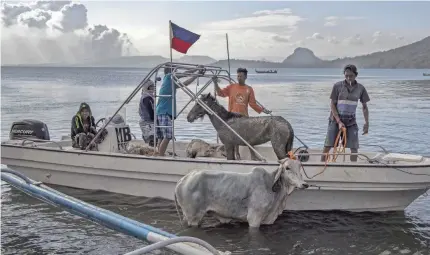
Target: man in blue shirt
{"points": [[164, 109]]}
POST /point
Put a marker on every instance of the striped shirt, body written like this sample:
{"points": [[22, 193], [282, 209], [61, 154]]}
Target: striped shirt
{"points": [[346, 97]]}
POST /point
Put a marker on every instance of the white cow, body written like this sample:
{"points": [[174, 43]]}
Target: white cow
{"points": [[257, 197]]}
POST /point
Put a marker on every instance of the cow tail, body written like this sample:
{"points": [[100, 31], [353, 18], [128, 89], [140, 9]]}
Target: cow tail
{"points": [[177, 210]]}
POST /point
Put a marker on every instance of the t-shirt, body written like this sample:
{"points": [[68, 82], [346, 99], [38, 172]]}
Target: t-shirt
{"points": [[164, 104], [346, 97], [239, 96]]}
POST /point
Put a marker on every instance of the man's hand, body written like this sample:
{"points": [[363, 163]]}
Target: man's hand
{"points": [[365, 128], [340, 125], [215, 79], [202, 70], [266, 111]]}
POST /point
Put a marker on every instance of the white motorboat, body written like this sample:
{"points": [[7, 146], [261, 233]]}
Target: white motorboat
{"points": [[376, 182]]}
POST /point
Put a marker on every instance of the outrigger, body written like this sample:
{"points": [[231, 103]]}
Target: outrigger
{"points": [[381, 181]]}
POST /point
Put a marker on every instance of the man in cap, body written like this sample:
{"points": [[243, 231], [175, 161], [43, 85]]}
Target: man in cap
{"points": [[146, 112], [344, 100]]}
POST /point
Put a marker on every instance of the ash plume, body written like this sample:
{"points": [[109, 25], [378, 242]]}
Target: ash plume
{"points": [[57, 32]]}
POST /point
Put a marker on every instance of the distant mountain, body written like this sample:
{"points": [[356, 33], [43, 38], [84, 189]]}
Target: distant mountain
{"points": [[415, 55], [302, 57], [196, 59]]}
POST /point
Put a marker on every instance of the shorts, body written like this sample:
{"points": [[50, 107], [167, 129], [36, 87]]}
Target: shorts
{"points": [[351, 135], [164, 132]]}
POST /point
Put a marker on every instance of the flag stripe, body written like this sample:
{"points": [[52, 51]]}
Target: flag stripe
{"points": [[181, 46], [183, 34]]}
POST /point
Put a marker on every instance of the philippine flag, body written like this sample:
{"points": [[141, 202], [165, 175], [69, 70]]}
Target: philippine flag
{"points": [[181, 39]]}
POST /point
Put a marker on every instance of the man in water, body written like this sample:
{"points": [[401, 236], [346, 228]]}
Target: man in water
{"points": [[165, 103], [344, 99], [146, 112], [83, 127], [240, 95]]}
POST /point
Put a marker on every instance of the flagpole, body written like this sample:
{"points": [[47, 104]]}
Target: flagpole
{"points": [[173, 89], [228, 56]]}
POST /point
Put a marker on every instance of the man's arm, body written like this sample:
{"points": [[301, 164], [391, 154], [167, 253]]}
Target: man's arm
{"points": [[333, 96], [364, 99], [366, 113], [184, 74], [253, 102], [225, 92], [190, 80], [334, 111]]}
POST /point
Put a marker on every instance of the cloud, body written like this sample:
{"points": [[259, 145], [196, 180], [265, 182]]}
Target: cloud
{"points": [[285, 11], [354, 40], [280, 38], [315, 36], [333, 40], [376, 37], [266, 20], [57, 31], [332, 21]]}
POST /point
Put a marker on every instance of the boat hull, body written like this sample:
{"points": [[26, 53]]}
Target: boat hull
{"points": [[340, 187]]}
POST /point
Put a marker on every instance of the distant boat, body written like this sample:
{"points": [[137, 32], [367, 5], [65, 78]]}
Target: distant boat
{"points": [[426, 74], [266, 71]]}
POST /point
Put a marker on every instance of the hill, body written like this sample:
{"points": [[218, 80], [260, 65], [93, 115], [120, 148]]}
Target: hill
{"points": [[415, 55]]}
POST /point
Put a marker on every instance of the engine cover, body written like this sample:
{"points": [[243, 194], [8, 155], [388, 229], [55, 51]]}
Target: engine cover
{"points": [[34, 129]]}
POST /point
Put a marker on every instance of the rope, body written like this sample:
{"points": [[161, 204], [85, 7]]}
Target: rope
{"points": [[341, 135], [170, 241], [341, 149]]}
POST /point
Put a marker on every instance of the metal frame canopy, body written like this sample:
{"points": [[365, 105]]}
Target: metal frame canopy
{"points": [[179, 70]]}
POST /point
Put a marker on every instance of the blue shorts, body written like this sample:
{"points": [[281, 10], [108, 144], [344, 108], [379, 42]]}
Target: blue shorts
{"points": [[351, 135], [164, 132]]}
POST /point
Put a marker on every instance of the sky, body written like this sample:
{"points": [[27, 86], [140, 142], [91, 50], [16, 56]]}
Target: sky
{"points": [[64, 31]]}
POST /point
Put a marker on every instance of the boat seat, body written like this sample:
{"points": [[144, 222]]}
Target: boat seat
{"points": [[399, 157]]}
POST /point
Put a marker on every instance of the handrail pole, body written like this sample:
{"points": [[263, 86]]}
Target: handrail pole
{"points": [[124, 103], [190, 93], [197, 94]]}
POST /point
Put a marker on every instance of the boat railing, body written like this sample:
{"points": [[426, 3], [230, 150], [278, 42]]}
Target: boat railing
{"points": [[211, 71], [29, 140], [193, 97]]}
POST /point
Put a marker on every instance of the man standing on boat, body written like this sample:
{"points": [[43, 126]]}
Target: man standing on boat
{"points": [[240, 95], [164, 106], [146, 112], [344, 99]]}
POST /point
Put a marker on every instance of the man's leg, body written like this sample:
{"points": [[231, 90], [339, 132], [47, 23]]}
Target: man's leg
{"points": [[352, 142], [165, 132], [332, 131], [163, 146]]}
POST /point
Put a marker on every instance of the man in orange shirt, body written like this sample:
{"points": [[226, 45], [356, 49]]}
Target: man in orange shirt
{"points": [[240, 95]]}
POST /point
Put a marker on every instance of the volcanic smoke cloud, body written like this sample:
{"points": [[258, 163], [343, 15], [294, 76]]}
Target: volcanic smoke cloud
{"points": [[57, 32]]}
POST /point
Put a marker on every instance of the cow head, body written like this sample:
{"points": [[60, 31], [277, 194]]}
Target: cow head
{"points": [[289, 174]]}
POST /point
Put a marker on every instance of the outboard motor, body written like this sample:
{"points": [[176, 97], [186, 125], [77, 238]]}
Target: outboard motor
{"points": [[33, 129]]}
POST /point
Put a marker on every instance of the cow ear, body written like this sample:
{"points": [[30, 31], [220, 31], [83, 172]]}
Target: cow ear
{"points": [[277, 180]]}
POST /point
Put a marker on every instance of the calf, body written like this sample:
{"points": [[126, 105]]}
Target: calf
{"points": [[257, 197], [200, 148]]}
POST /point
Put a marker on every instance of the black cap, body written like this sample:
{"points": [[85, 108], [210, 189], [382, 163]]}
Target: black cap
{"points": [[350, 67]]}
